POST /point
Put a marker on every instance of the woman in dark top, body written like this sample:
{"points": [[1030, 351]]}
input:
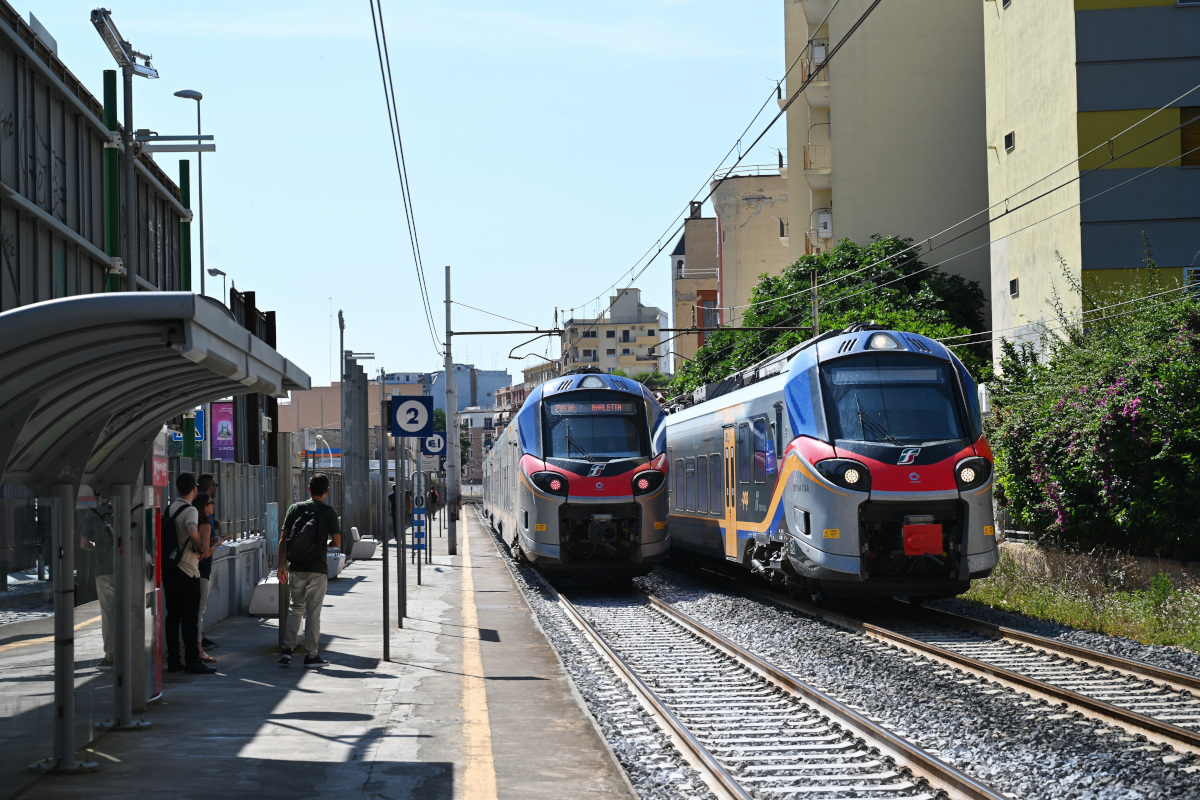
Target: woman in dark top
{"points": [[204, 504]]}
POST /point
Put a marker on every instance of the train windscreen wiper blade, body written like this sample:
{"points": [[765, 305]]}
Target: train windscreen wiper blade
{"points": [[865, 420], [572, 443]]}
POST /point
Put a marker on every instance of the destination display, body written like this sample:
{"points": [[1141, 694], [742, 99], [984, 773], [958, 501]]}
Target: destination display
{"points": [[589, 407]]}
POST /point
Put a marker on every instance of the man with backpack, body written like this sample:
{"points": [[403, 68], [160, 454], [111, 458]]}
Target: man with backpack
{"points": [[308, 529], [181, 548]]}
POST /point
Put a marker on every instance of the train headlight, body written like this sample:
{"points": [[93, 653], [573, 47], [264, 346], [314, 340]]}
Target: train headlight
{"points": [[550, 482], [846, 473], [971, 473], [647, 482]]}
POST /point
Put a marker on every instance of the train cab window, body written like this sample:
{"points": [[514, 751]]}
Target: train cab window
{"points": [[743, 453], [760, 450], [702, 484], [690, 483], [677, 484], [716, 497]]}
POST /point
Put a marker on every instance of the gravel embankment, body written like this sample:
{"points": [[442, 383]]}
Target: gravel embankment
{"points": [[653, 765], [1019, 746]]}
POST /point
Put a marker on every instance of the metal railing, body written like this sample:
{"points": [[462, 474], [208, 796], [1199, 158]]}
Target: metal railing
{"points": [[242, 493], [818, 156]]}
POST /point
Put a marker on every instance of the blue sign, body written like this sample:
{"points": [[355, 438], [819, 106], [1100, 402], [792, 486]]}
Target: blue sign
{"points": [[178, 437], [434, 445], [412, 416]]}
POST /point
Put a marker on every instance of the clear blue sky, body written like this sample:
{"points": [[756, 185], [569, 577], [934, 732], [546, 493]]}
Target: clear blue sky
{"points": [[548, 146]]}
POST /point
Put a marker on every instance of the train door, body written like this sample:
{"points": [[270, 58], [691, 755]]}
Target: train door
{"points": [[730, 495]]}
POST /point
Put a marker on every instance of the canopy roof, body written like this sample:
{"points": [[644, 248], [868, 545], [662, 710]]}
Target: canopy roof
{"points": [[87, 382]]}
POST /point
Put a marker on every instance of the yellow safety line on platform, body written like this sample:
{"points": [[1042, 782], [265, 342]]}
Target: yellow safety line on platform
{"points": [[479, 777], [45, 639]]}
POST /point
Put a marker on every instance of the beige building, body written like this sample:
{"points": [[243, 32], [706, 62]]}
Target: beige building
{"points": [[1065, 79], [539, 373], [475, 425], [628, 337], [889, 138], [321, 406], [752, 212], [695, 270]]}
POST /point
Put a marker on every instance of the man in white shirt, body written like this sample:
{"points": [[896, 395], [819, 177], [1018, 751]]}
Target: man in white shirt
{"points": [[181, 578]]}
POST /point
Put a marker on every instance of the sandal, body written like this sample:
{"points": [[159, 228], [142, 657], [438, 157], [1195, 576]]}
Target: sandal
{"points": [[207, 659]]}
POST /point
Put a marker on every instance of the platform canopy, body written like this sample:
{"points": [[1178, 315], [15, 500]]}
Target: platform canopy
{"points": [[87, 382]]}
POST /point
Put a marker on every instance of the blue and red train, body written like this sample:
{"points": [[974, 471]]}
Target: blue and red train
{"points": [[577, 480], [854, 464]]}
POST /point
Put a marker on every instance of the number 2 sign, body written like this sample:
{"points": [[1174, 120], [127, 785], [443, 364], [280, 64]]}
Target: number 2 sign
{"points": [[412, 416]]}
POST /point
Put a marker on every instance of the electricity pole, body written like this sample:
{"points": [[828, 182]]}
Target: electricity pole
{"points": [[452, 449]]}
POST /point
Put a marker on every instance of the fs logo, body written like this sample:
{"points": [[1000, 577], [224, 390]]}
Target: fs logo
{"points": [[595, 471], [909, 455]]}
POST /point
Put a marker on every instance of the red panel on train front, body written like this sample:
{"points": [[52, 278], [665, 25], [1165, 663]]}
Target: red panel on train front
{"points": [[922, 540]]}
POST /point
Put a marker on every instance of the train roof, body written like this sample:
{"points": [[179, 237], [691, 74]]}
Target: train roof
{"points": [[832, 344], [574, 381]]}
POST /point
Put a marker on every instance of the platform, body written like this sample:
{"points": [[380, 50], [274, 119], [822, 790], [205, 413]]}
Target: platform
{"points": [[473, 704]]}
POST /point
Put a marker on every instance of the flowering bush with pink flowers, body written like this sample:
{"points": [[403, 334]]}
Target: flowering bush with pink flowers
{"points": [[1096, 426]]}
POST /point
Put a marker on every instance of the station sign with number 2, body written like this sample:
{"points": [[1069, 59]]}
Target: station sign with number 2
{"points": [[412, 416]]}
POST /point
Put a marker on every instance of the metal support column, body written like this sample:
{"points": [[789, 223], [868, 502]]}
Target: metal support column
{"points": [[129, 240], [398, 530], [124, 605], [383, 486], [452, 446]]}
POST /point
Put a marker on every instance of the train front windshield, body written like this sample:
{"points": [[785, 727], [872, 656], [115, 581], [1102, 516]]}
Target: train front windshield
{"points": [[595, 426], [894, 398]]}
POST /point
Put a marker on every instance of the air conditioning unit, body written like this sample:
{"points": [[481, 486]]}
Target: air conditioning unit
{"points": [[819, 49], [824, 224], [266, 424]]}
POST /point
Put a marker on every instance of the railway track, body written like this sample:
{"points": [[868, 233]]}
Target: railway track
{"points": [[1161, 705], [754, 729]]}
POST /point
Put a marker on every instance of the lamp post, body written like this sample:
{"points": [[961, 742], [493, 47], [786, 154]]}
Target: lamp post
{"points": [[328, 450], [126, 57], [213, 271], [192, 94]]}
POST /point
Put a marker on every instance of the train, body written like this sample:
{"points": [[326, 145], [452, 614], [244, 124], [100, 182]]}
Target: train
{"points": [[577, 480], [853, 465]]}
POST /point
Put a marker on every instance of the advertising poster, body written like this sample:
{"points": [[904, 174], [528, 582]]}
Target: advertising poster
{"points": [[222, 431]]}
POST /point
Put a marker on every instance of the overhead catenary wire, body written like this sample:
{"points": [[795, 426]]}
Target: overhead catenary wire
{"points": [[712, 188], [734, 148], [381, 49], [763, 351], [1006, 202]]}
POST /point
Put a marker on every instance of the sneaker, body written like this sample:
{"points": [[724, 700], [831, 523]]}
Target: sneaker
{"points": [[208, 644], [285, 658], [314, 662], [199, 669], [174, 666], [107, 663]]}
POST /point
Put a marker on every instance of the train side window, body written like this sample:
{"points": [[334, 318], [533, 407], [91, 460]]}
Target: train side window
{"points": [[778, 426], [677, 484], [760, 450], [716, 501], [702, 484], [690, 482], [743, 453]]}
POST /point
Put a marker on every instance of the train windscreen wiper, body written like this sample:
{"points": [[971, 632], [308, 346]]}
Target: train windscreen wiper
{"points": [[865, 420], [572, 443]]}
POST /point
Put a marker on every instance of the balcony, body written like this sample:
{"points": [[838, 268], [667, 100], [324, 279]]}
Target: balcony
{"points": [[815, 10], [818, 166], [817, 93]]}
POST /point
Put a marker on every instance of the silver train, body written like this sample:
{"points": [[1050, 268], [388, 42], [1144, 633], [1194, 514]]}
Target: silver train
{"points": [[854, 464], [577, 480]]}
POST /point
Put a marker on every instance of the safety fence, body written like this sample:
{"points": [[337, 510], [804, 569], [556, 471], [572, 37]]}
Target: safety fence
{"points": [[243, 492]]}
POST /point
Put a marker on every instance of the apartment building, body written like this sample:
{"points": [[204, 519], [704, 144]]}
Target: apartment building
{"points": [[889, 137], [695, 289], [752, 211], [535, 376], [476, 426], [1078, 80], [628, 337]]}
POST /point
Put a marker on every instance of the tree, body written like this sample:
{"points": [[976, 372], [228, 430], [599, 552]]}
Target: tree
{"points": [[1096, 426], [895, 289], [652, 379], [439, 420]]}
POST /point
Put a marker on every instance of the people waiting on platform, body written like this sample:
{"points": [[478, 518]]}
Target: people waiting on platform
{"points": [[207, 484], [181, 579], [307, 577], [204, 507]]}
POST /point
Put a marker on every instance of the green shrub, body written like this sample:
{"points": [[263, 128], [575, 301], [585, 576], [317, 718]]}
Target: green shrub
{"points": [[1096, 430]]}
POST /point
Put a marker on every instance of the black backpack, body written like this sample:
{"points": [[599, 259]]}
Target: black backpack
{"points": [[304, 543], [169, 550]]}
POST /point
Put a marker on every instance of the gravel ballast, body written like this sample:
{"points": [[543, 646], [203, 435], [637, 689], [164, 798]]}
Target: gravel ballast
{"points": [[655, 768], [1019, 746]]}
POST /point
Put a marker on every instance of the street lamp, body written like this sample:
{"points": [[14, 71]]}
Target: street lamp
{"points": [[126, 58], [328, 450], [213, 271], [192, 94]]}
